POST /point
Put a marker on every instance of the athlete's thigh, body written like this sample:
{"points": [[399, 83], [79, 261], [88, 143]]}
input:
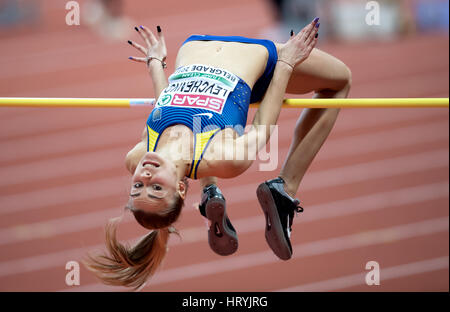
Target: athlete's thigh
{"points": [[320, 71]]}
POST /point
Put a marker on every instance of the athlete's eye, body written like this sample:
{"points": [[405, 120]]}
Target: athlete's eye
{"points": [[157, 187], [137, 184]]}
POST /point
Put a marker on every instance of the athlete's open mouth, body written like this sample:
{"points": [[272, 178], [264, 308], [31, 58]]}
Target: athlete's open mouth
{"points": [[150, 163]]}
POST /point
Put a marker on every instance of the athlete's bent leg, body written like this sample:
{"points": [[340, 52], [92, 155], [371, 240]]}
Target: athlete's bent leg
{"points": [[328, 78]]}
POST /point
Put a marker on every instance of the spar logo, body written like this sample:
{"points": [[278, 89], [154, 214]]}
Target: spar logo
{"points": [[165, 100], [211, 103]]}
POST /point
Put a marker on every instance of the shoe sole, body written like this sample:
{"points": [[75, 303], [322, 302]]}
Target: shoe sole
{"points": [[226, 242], [274, 231]]}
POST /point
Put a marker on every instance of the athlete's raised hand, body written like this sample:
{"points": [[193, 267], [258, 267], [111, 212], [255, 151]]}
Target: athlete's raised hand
{"points": [[156, 46], [299, 46]]}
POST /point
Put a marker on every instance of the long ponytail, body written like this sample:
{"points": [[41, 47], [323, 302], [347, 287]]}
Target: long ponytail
{"points": [[133, 266], [125, 266]]}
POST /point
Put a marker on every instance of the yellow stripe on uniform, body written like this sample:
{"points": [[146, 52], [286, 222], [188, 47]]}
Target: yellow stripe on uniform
{"points": [[152, 138], [201, 139]]}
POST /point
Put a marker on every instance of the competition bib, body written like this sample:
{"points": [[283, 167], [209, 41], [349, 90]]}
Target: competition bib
{"points": [[198, 86]]}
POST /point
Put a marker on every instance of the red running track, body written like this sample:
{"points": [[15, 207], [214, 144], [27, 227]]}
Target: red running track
{"points": [[377, 191]]}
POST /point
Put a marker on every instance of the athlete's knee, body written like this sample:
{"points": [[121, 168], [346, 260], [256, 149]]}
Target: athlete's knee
{"points": [[341, 81], [343, 76]]}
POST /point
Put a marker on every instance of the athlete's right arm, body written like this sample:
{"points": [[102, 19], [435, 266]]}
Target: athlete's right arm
{"points": [[295, 51], [240, 153], [233, 157], [155, 55]]}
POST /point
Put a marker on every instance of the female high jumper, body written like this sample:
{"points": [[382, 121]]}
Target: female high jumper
{"points": [[196, 130]]}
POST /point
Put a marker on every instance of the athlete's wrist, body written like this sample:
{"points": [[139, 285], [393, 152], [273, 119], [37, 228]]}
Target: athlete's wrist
{"points": [[285, 66], [156, 62]]}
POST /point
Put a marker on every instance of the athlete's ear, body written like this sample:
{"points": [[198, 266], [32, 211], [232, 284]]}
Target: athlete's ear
{"points": [[182, 189]]}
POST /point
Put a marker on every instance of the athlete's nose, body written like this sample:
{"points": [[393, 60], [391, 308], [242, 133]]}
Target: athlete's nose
{"points": [[146, 174]]}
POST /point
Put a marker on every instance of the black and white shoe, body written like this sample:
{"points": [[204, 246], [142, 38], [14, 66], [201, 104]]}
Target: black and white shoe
{"points": [[222, 237], [279, 209]]}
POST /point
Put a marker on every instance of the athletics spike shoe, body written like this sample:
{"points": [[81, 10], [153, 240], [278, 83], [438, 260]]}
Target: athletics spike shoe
{"points": [[278, 208], [222, 237]]}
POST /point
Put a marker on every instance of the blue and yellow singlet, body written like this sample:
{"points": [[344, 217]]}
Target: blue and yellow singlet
{"points": [[207, 100]]}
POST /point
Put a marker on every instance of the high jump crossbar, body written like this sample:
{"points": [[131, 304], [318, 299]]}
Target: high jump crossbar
{"points": [[305, 103]]}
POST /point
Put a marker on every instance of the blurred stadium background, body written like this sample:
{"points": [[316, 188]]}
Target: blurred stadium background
{"points": [[377, 191]]}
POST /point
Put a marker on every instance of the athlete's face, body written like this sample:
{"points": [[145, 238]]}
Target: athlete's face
{"points": [[154, 183]]}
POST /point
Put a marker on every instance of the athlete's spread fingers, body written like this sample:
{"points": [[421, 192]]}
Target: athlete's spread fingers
{"points": [[144, 36], [137, 46], [138, 59], [149, 35], [160, 35]]}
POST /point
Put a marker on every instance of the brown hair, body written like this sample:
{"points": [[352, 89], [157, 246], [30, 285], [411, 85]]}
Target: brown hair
{"points": [[131, 267]]}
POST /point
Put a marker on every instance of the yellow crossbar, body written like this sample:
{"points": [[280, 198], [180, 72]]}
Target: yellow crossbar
{"points": [[311, 103]]}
